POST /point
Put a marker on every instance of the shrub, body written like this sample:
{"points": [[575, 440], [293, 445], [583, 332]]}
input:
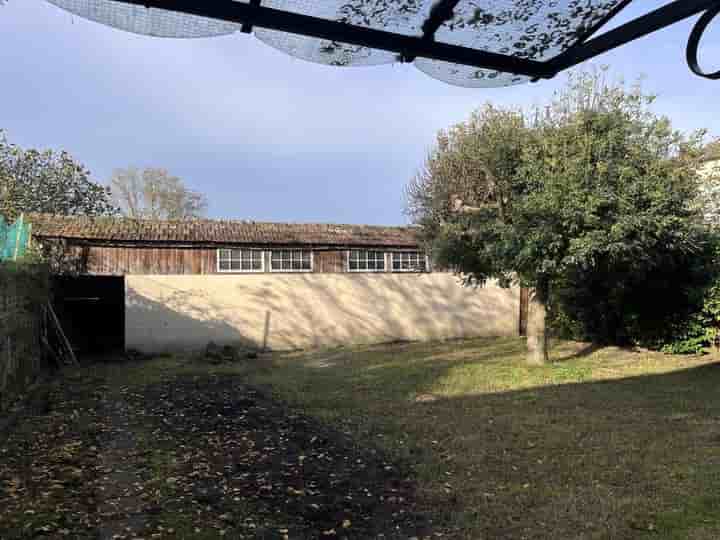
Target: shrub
{"points": [[674, 307]]}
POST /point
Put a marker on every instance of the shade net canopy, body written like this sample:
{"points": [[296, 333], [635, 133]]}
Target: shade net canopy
{"points": [[532, 29], [404, 17], [538, 31], [146, 21]]}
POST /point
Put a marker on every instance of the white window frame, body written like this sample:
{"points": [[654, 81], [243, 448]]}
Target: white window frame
{"points": [[420, 254], [359, 271], [295, 271], [241, 271]]}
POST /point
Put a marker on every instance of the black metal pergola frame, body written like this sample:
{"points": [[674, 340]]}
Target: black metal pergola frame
{"points": [[408, 48]]}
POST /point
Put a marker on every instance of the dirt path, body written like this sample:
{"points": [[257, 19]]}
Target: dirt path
{"points": [[194, 458], [119, 487]]}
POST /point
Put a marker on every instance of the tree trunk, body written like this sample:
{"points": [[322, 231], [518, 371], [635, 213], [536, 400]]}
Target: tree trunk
{"points": [[537, 344]]}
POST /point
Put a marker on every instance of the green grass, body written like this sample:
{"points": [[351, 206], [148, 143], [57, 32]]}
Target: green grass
{"points": [[601, 443]]}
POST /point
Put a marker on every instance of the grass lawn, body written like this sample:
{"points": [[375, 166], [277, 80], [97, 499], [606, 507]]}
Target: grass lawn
{"points": [[602, 443]]}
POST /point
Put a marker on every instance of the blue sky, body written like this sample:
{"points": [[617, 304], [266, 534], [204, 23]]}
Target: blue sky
{"points": [[265, 136]]}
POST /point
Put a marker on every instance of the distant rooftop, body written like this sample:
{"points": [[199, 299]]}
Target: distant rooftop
{"points": [[205, 231]]}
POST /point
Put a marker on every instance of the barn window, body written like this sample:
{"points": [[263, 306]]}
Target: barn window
{"points": [[291, 260], [409, 261], [366, 261], [240, 260]]}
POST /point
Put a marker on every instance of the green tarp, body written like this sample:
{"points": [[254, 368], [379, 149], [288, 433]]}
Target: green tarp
{"points": [[14, 239]]}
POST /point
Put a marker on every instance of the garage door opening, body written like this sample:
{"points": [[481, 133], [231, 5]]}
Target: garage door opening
{"points": [[91, 310]]}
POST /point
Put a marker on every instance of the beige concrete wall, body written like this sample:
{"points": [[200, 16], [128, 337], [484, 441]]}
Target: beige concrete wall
{"points": [[289, 311]]}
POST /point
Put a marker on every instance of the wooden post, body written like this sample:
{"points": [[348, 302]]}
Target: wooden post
{"points": [[523, 317]]}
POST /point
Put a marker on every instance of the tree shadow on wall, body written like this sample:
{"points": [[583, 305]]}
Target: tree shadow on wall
{"points": [[153, 321], [303, 311], [380, 311]]}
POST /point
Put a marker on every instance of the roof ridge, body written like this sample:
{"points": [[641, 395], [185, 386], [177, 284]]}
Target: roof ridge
{"points": [[233, 221], [213, 231]]}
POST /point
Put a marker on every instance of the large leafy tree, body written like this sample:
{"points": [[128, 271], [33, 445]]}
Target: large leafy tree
{"points": [[593, 186], [155, 194], [47, 181]]}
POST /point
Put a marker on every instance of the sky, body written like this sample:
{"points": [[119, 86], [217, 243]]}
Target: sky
{"points": [[265, 136]]}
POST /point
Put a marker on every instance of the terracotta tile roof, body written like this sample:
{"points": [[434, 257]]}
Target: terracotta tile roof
{"points": [[218, 232]]}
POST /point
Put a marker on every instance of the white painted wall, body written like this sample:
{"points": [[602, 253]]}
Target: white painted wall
{"points": [[291, 311]]}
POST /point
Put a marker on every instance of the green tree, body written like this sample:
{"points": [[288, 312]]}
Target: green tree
{"points": [[47, 181], [593, 186], [155, 194]]}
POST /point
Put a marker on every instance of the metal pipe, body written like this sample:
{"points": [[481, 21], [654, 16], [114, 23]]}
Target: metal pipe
{"points": [[663, 17], [296, 23]]}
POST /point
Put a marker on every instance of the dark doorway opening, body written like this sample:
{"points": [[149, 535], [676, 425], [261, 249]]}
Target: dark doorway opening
{"points": [[91, 310]]}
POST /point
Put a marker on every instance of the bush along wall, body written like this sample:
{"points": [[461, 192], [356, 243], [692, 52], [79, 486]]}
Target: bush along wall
{"points": [[675, 307], [24, 291], [700, 328]]}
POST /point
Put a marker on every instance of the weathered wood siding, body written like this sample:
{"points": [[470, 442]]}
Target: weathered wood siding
{"points": [[144, 260], [329, 262], [120, 261]]}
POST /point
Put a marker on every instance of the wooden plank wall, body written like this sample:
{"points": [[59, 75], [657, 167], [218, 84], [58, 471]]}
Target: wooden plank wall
{"points": [[329, 262], [120, 261]]}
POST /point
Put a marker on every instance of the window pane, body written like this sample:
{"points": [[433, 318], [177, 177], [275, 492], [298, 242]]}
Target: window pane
{"points": [[409, 261], [257, 260], [366, 261], [240, 260], [380, 260], [289, 260]]}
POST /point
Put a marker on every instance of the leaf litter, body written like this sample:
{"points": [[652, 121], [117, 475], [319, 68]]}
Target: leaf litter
{"points": [[195, 457]]}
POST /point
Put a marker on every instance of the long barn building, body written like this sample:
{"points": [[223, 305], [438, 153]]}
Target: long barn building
{"points": [[160, 286]]}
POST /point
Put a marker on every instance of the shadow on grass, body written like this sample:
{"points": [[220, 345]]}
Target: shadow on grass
{"points": [[506, 451]]}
